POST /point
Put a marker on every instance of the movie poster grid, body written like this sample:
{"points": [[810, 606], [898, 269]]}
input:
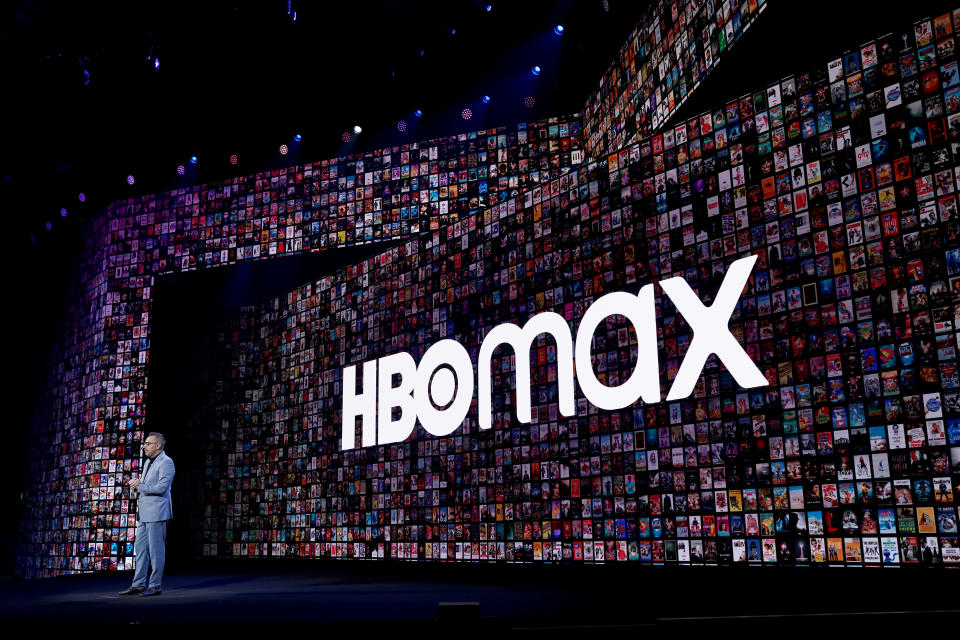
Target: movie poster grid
{"points": [[842, 181], [80, 516], [666, 57]]}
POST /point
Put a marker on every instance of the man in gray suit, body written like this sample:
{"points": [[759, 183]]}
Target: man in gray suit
{"points": [[153, 510]]}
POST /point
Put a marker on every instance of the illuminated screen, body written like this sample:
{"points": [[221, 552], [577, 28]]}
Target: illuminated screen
{"points": [[666, 57], [841, 181]]}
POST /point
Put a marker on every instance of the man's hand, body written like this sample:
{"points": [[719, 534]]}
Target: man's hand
{"points": [[134, 483]]}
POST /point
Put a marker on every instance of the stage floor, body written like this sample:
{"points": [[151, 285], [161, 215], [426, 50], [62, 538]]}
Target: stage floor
{"points": [[509, 597]]}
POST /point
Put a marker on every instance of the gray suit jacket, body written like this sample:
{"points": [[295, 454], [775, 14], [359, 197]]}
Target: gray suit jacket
{"points": [[155, 503]]}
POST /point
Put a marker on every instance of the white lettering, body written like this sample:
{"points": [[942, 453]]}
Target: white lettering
{"points": [[364, 405], [439, 390], [711, 333], [644, 382], [388, 429], [444, 378], [520, 340]]}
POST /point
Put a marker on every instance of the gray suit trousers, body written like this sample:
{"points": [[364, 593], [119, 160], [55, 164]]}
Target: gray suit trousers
{"points": [[149, 547]]}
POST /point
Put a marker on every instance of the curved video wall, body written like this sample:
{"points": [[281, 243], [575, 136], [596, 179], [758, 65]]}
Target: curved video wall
{"points": [[79, 515], [666, 57], [841, 182]]}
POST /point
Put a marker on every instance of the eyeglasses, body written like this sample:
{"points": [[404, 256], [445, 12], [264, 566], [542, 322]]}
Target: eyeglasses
{"points": [[147, 444]]}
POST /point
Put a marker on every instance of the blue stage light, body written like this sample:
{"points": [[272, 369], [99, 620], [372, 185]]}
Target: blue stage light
{"points": [[536, 70], [298, 137], [357, 130], [418, 113], [486, 99], [193, 159], [489, 8], [558, 29], [156, 64]]}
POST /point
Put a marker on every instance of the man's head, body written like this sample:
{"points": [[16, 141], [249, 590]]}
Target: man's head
{"points": [[154, 444]]}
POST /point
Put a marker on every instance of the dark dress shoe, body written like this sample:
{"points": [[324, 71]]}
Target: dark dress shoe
{"points": [[131, 591], [151, 591]]}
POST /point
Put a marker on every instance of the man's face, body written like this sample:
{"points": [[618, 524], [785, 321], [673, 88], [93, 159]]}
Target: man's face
{"points": [[151, 447]]}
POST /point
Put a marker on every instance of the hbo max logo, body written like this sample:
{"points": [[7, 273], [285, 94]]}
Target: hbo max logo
{"points": [[438, 391]]}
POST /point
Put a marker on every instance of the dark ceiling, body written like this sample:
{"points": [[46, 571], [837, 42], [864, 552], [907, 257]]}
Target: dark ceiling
{"points": [[86, 106]]}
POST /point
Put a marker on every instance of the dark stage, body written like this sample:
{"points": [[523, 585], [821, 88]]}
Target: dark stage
{"points": [[510, 597]]}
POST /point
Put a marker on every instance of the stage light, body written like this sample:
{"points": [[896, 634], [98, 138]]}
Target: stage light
{"points": [[193, 159], [536, 70], [63, 212], [234, 159], [298, 137], [283, 149], [130, 180], [401, 126], [422, 51], [156, 64], [466, 114], [418, 113], [82, 197], [489, 8], [558, 29], [48, 226], [529, 101], [357, 130], [181, 170], [486, 99], [345, 137], [453, 31]]}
